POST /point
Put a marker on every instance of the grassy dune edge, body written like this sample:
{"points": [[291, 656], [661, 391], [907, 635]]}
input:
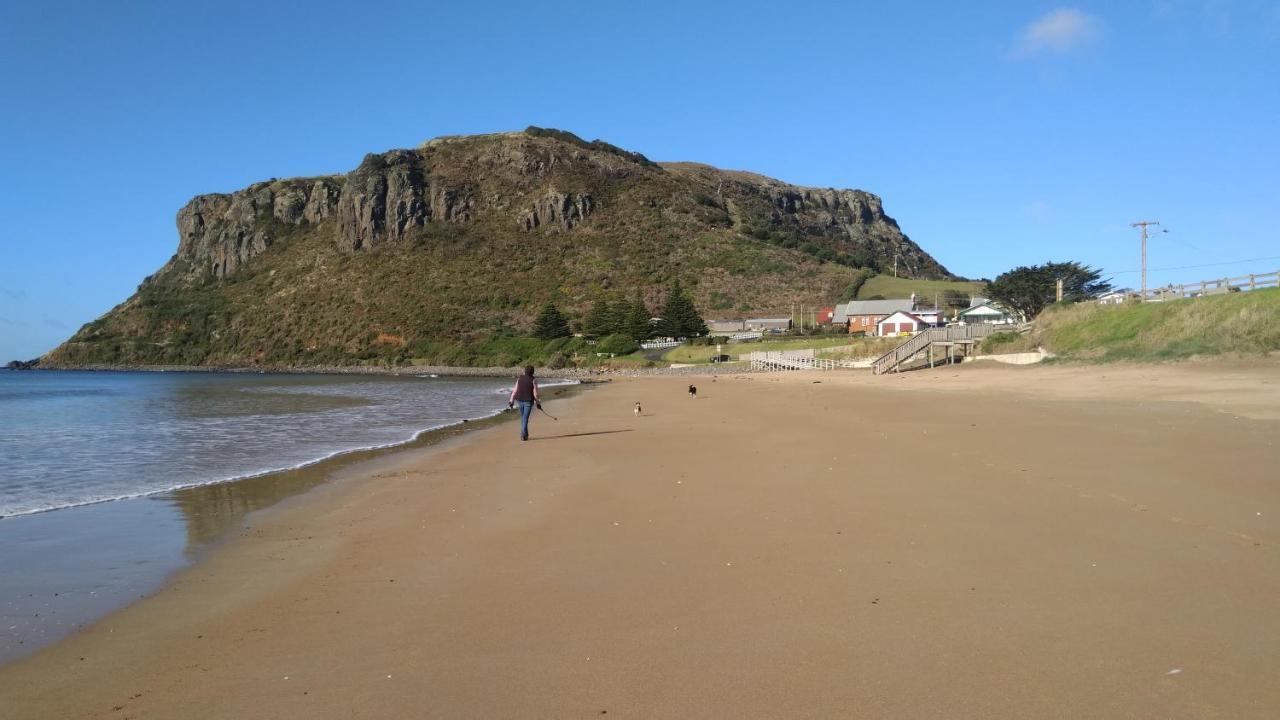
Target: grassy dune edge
{"points": [[1246, 323]]}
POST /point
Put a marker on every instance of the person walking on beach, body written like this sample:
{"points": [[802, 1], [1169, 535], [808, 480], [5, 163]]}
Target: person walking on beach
{"points": [[525, 392]]}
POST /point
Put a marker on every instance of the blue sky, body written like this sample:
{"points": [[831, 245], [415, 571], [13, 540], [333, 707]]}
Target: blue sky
{"points": [[998, 133]]}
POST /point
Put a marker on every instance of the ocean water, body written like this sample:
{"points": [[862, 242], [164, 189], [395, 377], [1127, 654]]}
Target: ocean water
{"points": [[78, 438], [111, 482]]}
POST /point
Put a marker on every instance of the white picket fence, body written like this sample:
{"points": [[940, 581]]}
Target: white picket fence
{"points": [[659, 344], [794, 360]]}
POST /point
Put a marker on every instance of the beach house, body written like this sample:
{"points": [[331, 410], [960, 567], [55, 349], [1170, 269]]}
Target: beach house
{"points": [[985, 312], [901, 323], [861, 316]]}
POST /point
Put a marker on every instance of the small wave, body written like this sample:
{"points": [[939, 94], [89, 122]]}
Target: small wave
{"points": [[35, 510]]}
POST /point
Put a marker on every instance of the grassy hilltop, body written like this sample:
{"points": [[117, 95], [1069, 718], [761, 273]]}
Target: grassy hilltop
{"points": [[446, 252]]}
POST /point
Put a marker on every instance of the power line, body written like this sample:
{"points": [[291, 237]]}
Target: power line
{"points": [[1193, 267]]}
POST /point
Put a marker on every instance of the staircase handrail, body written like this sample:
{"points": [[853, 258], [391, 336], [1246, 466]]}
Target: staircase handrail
{"points": [[921, 340]]}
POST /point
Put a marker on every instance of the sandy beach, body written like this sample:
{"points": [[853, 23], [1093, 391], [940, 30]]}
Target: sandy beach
{"points": [[971, 542]]}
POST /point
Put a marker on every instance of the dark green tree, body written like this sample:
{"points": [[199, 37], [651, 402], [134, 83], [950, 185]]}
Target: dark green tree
{"points": [[551, 324], [1027, 290], [602, 319], [637, 320], [679, 316], [860, 278]]}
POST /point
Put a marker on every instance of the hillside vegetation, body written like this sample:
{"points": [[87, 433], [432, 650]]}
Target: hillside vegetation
{"points": [[1246, 323], [446, 252], [890, 287]]}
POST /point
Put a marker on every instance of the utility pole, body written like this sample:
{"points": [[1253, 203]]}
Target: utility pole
{"points": [[1143, 224], [895, 264], [1059, 289]]}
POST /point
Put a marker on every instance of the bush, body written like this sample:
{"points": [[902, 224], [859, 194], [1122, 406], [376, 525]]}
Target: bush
{"points": [[709, 340], [618, 344]]}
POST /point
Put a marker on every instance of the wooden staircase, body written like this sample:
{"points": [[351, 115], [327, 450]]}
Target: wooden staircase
{"points": [[963, 336]]}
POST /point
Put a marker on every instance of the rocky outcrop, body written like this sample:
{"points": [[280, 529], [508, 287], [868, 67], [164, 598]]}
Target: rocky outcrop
{"points": [[557, 209], [828, 206], [22, 364], [219, 233], [543, 180], [390, 195]]}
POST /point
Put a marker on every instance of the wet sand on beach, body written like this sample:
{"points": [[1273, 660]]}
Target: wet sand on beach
{"points": [[967, 542]]}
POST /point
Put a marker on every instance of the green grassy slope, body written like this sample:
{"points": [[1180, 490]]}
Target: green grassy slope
{"points": [[888, 286], [1246, 323]]}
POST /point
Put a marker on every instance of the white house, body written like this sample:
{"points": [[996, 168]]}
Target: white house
{"points": [[986, 312], [901, 323]]}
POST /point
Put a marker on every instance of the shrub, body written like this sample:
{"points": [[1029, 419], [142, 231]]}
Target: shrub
{"points": [[618, 344]]}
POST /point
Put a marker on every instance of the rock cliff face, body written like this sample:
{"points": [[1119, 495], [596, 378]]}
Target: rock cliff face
{"points": [[220, 233], [391, 196], [466, 236], [557, 209]]}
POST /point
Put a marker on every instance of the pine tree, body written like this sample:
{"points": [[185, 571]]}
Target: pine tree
{"points": [[638, 320], [602, 320], [679, 316], [551, 324]]}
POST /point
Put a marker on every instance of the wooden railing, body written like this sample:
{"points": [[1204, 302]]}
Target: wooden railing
{"points": [[1253, 281], [922, 340]]}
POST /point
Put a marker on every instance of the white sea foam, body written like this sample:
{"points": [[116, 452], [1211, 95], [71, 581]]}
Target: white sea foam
{"points": [[73, 439]]}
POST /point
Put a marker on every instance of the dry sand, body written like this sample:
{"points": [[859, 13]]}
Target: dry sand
{"points": [[958, 543]]}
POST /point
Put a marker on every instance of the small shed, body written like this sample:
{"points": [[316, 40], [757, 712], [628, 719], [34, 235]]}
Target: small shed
{"points": [[768, 324], [726, 326], [901, 323]]}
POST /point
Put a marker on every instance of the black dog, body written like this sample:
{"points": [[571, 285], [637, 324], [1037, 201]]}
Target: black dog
{"points": [[693, 391]]}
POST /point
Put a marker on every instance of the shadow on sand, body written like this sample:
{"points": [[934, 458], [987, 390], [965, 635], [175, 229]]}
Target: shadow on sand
{"points": [[582, 434]]}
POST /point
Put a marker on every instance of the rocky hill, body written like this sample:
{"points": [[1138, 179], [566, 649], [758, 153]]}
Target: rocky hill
{"points": [[464, 238]]}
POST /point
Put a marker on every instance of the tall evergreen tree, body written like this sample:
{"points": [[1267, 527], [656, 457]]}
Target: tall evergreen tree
{"points": [[679, 316], [638, 326], [551, 324], [602, 319]]}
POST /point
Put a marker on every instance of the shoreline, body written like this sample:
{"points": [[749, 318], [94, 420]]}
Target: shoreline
{"points": [[584, 375], [755, 552], [332, 456], [215, 506]]}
